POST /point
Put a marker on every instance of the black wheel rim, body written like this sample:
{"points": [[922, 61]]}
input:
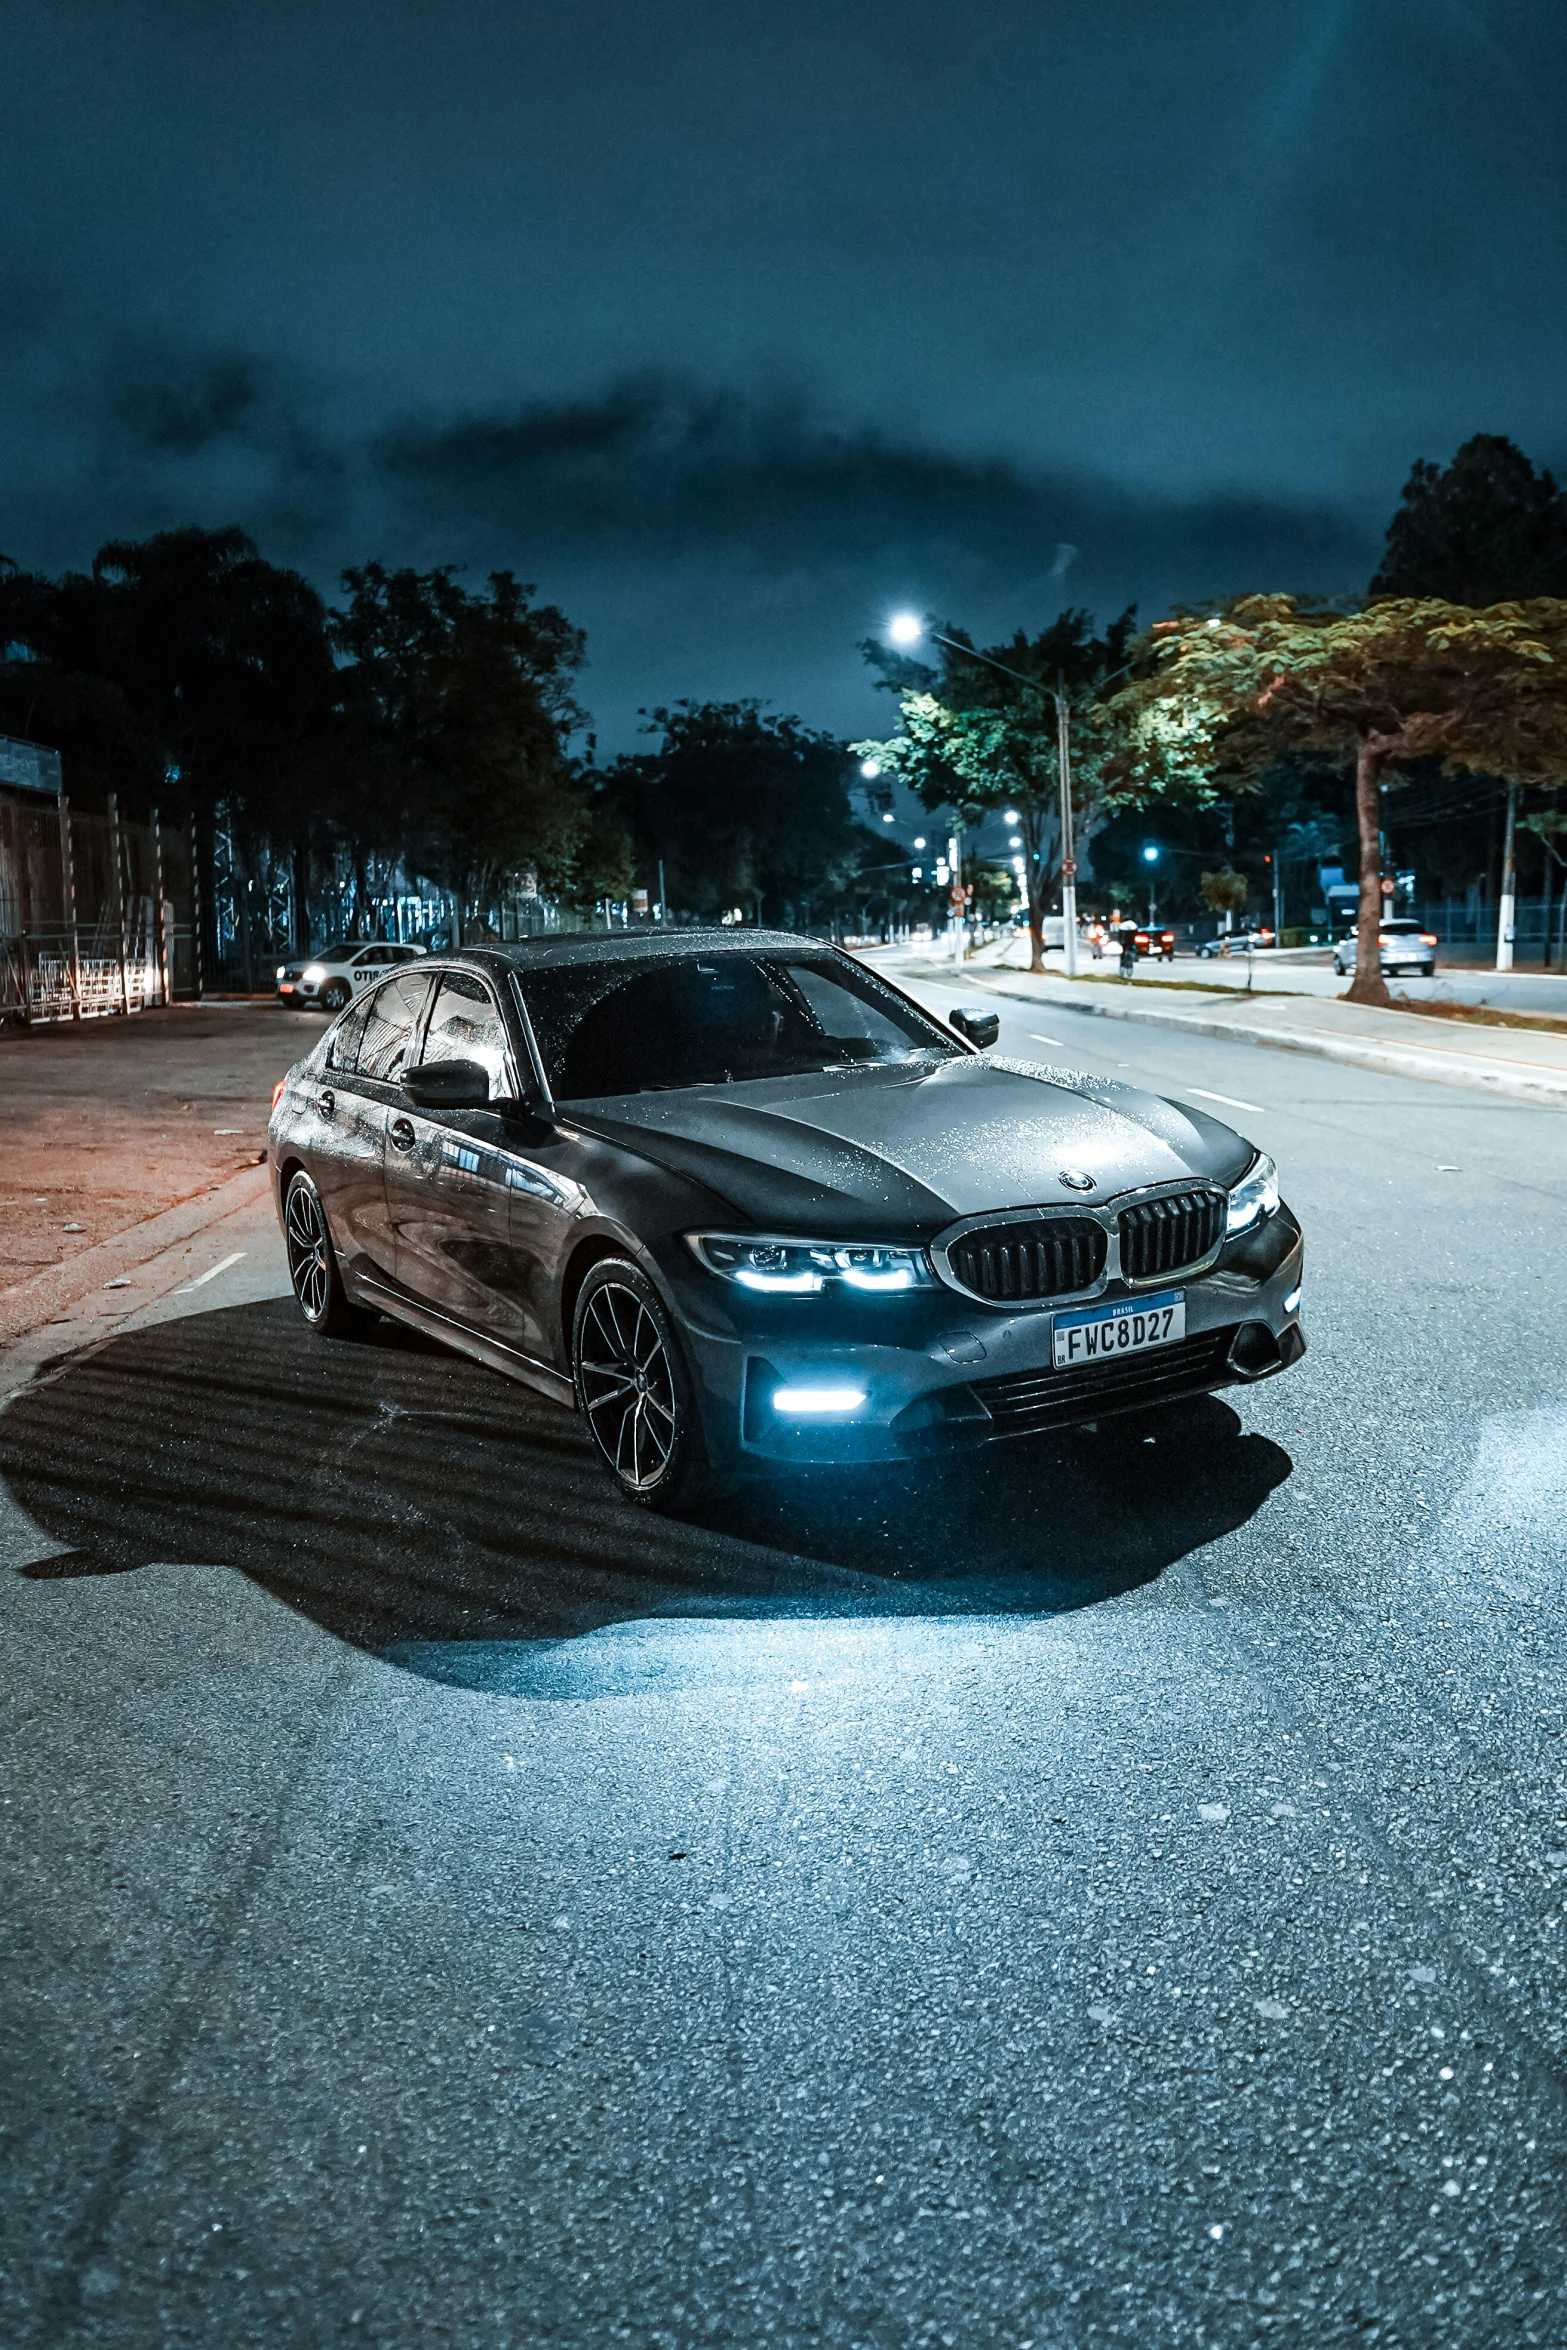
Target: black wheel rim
{"points": [[309, 1257], [628, 1388]]}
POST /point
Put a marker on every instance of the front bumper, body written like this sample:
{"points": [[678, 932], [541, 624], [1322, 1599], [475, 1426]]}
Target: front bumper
{"points": [[939, 1372]]}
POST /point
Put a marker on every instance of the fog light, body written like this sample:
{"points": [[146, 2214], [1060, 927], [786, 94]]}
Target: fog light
{"points": [[1292, 1302], [818, 1402]]}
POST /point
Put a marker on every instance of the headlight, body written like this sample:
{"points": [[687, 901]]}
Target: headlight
{"points": [[313, 974], [802, 1268], [1254, 1197], [282, 971]]}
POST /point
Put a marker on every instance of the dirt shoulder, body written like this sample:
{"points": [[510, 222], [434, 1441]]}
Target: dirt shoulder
{"points": [[107, 1125]]}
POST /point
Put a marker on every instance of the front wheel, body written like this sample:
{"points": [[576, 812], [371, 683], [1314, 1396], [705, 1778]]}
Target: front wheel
{"points": [[313, 1267], [634, 1390], [334, 995]]}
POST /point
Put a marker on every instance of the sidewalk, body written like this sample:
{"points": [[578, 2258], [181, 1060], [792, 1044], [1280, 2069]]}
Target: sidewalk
{"points": [[134, 1164], [1311, 973], [1512, 1064]]}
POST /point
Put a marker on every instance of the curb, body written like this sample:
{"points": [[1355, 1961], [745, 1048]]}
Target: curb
{"points": [[32, 1303], [1545, 1088]]}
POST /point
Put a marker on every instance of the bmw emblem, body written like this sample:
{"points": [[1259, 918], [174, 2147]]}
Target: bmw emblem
{"points": [[1076, 1180]]}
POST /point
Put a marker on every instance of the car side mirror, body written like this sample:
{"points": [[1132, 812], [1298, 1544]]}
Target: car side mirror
{"points": [[981, 1028], [448, 1085]]}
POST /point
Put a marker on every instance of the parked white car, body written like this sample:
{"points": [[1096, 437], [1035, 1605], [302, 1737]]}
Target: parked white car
{"points": [[1405, 947], [340, 971]]}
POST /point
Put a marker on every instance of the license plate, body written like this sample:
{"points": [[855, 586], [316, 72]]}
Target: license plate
{"points": [[1134, 1328]]}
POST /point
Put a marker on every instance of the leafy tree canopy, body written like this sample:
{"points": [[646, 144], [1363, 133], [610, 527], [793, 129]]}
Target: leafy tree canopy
{"points": [[459, 706], [741, 804], [1486, 529], [1400, 681]]}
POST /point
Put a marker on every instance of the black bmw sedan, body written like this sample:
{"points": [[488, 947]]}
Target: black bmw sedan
{"points": [[741, 1201]]}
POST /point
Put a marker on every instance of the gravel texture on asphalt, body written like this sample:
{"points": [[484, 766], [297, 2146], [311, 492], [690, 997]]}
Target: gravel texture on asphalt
{"points": [[1109, 1892]]}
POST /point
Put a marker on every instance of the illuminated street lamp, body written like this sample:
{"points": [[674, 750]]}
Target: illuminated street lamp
{"points": [[1150, 859], [904, 630]]}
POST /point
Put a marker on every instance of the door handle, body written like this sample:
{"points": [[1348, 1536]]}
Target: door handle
{"points": [[402, 1134], [327, 1103]]}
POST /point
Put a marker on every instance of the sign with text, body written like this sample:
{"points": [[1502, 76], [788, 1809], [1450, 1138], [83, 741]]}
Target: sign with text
{"points": [[29, 767]]}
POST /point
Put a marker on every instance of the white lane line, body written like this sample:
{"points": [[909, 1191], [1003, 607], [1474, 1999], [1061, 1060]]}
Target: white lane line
{"points": [[1228, 1100], [1058, 1041], [211, 1274]]}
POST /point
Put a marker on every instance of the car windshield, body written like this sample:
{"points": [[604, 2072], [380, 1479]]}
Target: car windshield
{"points": [[1404, 928], [337, 950], [657, 1025]]}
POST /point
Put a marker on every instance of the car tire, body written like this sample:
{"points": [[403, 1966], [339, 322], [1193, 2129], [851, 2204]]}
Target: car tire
{"points": [[313, 1267], [635, 1390], [335, 995], [1338, 966]]}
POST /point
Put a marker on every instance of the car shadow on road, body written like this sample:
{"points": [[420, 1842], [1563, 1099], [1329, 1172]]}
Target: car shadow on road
{"points": [[421, 1507]]}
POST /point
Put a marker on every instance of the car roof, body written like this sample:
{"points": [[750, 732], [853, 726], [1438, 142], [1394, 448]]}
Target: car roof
{"points": [[579, 946]]}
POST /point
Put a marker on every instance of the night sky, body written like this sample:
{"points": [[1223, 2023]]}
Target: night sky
{"points": [[735, 327]]}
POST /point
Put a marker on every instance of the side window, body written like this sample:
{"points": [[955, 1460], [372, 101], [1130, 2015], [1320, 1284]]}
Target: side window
{"points": [[392, 1015], [466, 1026], [343, 1041]]}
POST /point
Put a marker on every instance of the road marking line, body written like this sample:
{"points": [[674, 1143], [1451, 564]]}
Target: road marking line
{"points": [[1059, 1041], [211, 1274], [1228, 1100]]}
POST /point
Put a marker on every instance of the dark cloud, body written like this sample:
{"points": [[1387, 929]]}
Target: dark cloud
{"points": [[664, 469]]}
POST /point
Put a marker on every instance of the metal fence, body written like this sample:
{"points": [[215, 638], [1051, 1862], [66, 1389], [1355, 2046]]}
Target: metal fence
{"points": [[88, 912], [1470, 926]]}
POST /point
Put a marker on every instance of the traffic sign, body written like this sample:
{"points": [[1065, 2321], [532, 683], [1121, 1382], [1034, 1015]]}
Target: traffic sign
{"points": [[1069, 868]]}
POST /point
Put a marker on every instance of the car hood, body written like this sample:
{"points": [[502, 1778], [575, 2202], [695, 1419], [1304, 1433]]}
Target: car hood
{"points": [[879, 1149]]}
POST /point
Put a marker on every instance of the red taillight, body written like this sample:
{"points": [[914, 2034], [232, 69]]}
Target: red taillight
{"points": [[279, 1090], [1167, 938], [1428, 938]]}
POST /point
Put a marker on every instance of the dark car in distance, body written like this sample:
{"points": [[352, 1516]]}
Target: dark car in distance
{"points": [[741, 1201]]}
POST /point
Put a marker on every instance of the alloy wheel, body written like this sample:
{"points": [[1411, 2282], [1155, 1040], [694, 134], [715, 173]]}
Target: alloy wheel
{"points": [[309, 1251], [628, 1388]]}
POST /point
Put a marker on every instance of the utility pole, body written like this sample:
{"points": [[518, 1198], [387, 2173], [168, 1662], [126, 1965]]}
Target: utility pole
{"points": [[1504, 920], [1068, 855], [1278, 895]]}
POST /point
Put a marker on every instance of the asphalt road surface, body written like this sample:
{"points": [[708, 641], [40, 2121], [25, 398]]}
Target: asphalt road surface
{"points": [[1110, 1892]]}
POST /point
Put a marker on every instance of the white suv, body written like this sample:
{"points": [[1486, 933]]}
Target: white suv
{"points": [[340, 971], [1405, 947]]}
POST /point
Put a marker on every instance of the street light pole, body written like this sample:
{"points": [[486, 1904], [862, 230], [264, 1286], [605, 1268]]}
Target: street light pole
{"points": [[1068, 859]]}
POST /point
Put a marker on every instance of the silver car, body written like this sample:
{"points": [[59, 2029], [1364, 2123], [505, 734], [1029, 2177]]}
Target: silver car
{"points": [[1405, 948]]}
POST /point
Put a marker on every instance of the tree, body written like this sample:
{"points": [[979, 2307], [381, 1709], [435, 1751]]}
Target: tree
{"points": [[1400, 681], [977, 737], [222, 657], [745, 808], [459, 707], [1487, 529], [1226, 891]]}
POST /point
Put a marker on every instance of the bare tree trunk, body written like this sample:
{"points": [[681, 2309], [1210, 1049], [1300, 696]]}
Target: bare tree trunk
{"points": [[302, 894], [1368, 985], [1034, 884]]}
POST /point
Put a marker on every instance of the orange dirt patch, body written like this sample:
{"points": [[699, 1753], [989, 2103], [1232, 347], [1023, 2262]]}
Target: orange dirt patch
{"points": [[108, 1123]]}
